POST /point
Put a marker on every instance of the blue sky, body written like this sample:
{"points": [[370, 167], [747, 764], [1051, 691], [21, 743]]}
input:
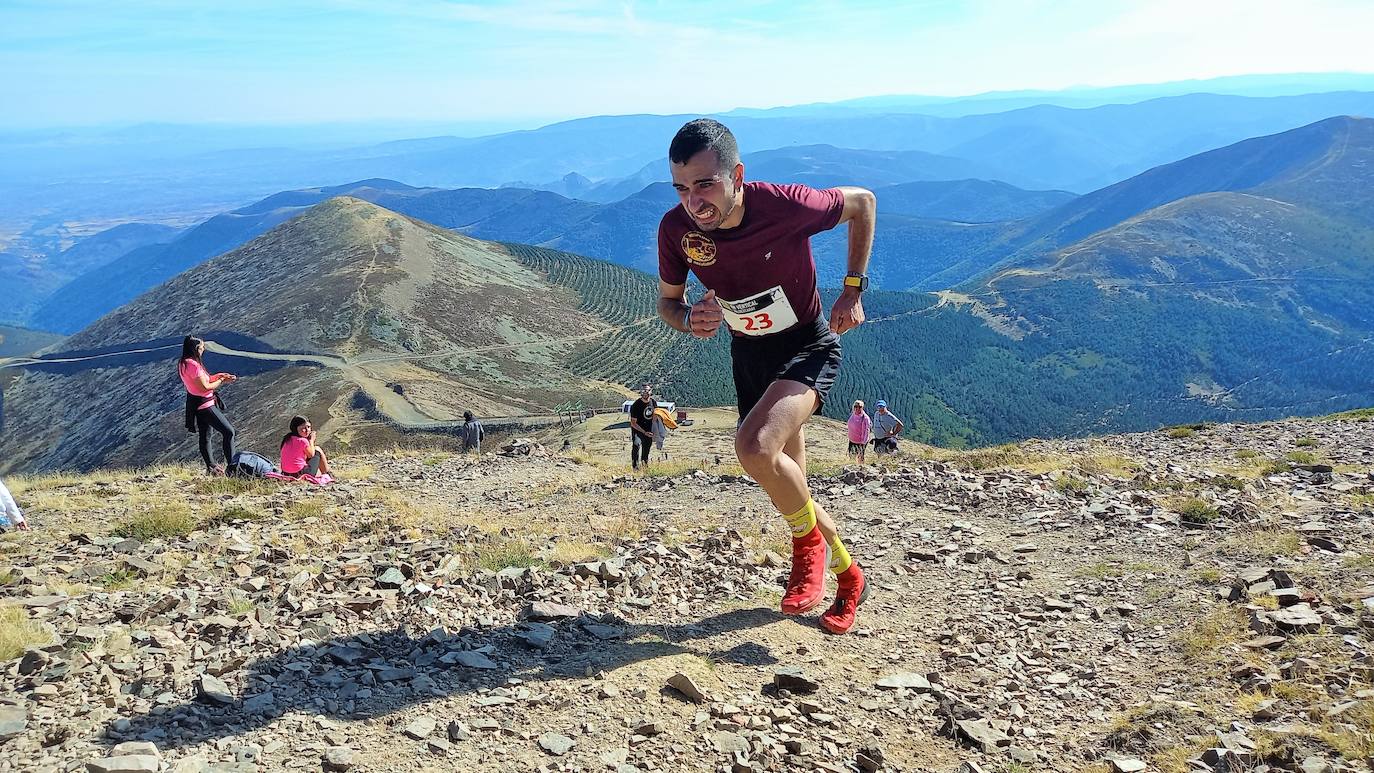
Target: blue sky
{"points": [[64, 62]]}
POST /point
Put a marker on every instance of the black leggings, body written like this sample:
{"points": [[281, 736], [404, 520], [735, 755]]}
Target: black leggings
{"points": [[214, 417]]}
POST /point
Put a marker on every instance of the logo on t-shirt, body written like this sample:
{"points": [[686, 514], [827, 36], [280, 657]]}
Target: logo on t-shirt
{"points": [[698, 248]]}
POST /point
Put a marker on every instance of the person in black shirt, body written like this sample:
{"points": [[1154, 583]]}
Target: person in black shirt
{"points": [[642, 427]]}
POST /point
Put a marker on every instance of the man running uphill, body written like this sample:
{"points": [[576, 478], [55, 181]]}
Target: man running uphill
{"points": [[749, 245]]}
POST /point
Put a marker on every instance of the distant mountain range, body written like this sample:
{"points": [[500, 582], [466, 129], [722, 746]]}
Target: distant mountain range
{"points": [[1279, 85], [26, 281], [820, 166], [1044, 146], [1235, 284], [1075, 139], [1245, 296], [1219, 267], [912, 242]]}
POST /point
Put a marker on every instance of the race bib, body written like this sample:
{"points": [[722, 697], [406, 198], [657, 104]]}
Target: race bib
{"points": [[761, 314]]}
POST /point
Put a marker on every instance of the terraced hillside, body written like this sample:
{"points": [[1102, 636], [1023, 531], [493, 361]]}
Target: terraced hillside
{"points": [[685, 369]]}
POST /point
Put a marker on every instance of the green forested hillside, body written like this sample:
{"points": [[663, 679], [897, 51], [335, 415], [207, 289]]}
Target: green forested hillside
{"points": [[1048, 356], [685, 369]]}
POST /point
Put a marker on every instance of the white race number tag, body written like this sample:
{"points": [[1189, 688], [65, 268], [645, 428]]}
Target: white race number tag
{"points": [[761, 314]]}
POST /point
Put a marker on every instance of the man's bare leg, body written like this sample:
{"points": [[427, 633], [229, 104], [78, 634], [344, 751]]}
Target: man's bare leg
{"points": [[796, 448], [763, 435], [771, 447]]}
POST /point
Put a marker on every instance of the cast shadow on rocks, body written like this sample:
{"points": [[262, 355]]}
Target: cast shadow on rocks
{"points": [[374, 674]]}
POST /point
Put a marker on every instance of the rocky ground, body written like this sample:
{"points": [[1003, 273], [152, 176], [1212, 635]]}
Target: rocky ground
{"points": [[1194, 599]]}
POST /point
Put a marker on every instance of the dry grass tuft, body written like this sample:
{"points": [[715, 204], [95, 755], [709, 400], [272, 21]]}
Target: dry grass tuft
{"points": [[1261, 544], [1192, 509], [1302, 457], [1108, 465], [565, 552], [161, 522], [18, 632], [305, 508], [505, 554], [1207, 638]]}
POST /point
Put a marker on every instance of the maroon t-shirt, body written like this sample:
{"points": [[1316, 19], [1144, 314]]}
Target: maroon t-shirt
{"points": [[762, 269]]}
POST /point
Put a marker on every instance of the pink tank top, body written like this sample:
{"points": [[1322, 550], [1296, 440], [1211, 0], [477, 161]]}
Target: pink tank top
{"points": [[191, 371]]}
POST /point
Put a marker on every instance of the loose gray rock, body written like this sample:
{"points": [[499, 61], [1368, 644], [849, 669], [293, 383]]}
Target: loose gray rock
{"points": [[556, 744], [469, 659], [794, 679], [1299, 618], [135, 747], [129, 763], [684, 684], [338, 759], [727, 742], [548, 610], [907, 680], [537, 635], [982, 734], [420, 728], [649, 729], [391, 578], [211, 689], [13, 720]]}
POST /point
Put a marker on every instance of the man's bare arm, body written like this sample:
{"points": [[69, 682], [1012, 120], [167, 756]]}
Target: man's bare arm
{"points": [[861, 213], [705, 316], [672, 305]]}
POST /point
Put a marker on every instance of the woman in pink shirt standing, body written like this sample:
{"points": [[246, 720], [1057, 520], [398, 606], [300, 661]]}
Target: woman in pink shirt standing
{"points": [[204, 408], [860, 430]]}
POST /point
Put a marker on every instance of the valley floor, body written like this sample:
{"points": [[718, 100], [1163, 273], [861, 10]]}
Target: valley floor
{"points": [[1103, 604]]}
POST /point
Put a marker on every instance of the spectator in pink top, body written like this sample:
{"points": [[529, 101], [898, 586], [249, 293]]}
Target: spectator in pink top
{"points": [[204, 408], [299, 454], [860, 430]]}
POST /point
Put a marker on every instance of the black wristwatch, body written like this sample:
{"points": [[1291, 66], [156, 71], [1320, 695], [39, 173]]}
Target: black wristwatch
{"points": [[857, 281]]}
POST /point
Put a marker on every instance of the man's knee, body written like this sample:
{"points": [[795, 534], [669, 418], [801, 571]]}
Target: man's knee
{"points": [[753, 451]]}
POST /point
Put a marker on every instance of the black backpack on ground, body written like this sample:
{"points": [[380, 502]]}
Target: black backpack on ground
{"points": [[247, 464]]}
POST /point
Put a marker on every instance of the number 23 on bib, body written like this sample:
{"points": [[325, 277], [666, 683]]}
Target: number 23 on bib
{"points": [[761, 314]]}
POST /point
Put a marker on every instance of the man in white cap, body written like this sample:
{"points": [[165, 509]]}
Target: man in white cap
{"points": [[886, 428]]}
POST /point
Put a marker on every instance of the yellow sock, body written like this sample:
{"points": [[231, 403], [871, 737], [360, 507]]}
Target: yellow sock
{"points": [[802, 521], [839, 556]]}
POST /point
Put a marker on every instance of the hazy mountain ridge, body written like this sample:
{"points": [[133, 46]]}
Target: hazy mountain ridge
{"points": [[369, 317], [623, 232], [1040, 146], [1219, 304]]}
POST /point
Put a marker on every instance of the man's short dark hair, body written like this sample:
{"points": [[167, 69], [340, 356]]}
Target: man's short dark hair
{"points": [[702, 134]]}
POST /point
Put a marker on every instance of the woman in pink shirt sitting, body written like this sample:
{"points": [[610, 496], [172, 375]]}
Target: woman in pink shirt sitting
{"points": [[299, 454], [204, 408], [860, 430]]}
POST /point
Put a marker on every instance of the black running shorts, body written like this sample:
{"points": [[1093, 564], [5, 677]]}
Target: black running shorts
{"points": [[808, 353]]}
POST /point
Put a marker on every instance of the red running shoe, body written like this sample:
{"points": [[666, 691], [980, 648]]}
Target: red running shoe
{"points": [[852, 592], [806, 585]]}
